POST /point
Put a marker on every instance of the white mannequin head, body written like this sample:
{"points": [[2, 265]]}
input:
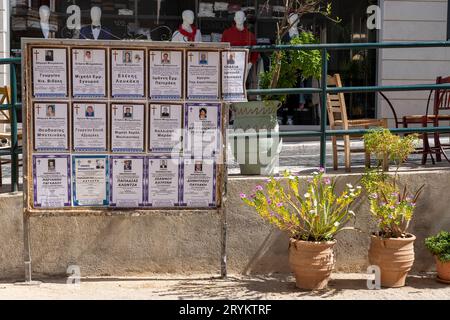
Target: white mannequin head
{"points": [[44, 13], [188, 17], [293, 21], [96, 15], [239, 18]]}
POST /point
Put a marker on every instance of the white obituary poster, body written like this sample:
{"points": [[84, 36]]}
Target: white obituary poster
{"points": [[199, 183], [89, 127], [50, 72], [163, 182], [166, 128], [127, 73], [88, 73], [202, 121], [203, 72], [233, 75], [51, 126], [127, 181], [166, 74], [127, 127], [51, 181], [90, 180]]}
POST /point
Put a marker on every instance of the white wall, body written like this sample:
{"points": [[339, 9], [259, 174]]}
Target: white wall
{"points": [[4, 39], [412, 20]]}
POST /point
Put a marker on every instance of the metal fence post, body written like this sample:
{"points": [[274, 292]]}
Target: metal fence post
{"points": [[14, 143], [323, 113]]}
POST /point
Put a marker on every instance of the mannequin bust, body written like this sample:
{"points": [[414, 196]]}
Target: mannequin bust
{"points": [[95, 30], [293, 21], [187, 32], [44, 15], [239, 35]]}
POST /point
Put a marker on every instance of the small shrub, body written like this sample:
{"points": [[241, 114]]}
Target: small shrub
{"points": [[439, 245]]}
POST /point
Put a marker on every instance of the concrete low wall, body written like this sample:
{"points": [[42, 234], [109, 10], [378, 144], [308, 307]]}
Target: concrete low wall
{"points": [[190, 243]]}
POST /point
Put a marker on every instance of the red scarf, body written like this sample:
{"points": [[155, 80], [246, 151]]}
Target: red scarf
{"points": [[189, 35]]}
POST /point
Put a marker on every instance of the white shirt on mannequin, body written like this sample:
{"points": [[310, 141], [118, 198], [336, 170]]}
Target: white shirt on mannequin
{"points": [[45, 28], [95, 32]]}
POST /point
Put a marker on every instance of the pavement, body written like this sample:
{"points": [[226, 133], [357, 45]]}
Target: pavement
{"points": [[343, 286]]}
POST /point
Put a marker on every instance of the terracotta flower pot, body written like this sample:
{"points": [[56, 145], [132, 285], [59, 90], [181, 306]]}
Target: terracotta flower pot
{"points": [[311, 263], [443, 270], [394, 256]]}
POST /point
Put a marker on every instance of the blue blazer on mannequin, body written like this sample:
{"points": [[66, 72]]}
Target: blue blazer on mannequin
{"points": [[86, 33]]}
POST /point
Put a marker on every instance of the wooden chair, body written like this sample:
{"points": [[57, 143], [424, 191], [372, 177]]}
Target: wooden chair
{"points": [[441, 102], [5, 137], [337, 115]]}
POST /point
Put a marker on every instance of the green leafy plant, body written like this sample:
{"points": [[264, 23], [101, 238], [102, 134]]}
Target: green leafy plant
{"points": [[285, 66], [384, 144], [308, 63], [439, 245], [317, 215], [391, 204]]}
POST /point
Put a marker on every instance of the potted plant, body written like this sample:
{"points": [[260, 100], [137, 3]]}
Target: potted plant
{"points": [[261, 116], [439, 246], [391, 247], [312, 220]]}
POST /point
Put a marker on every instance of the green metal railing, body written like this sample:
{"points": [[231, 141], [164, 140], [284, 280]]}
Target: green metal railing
{"points": [[323, 133], [14, 150]]}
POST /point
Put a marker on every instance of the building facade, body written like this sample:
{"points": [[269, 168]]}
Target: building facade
{"points": [[418, 20], [424, 20]]}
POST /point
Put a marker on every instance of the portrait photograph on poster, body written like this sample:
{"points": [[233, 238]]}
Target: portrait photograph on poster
{"points": [[202, 75], [90, 127], [203, 125], [166, 75], [127, 73], [51, 126], [127, 181], [49, 72], [51, 181], [89, 73], [199, 182], [165, 128], [90, 180], [127, 128], [163, 182]]}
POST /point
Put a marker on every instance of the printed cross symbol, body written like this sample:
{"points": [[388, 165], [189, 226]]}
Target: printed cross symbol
{"points": [[75, 52], [36, 53], [38, 107], [153, 55], [190, 56], [115, 55], [115, 109], [77, 107], [154, 108]]}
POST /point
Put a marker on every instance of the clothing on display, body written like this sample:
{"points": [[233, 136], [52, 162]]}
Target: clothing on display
{"points": [[237, 37]]}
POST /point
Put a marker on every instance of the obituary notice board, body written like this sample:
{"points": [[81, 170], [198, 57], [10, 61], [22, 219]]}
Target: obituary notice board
{"points": [[132, 125]]}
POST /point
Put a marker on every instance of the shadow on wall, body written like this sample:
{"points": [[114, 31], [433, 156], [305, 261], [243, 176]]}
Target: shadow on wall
{"points": [[270, 256]]}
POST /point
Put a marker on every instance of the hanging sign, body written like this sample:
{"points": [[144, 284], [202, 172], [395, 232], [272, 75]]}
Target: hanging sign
{"points": [[233, 75], [88, 73], [166, 127], [127, 73], [49, 70], [166, 75], [89, 127], [127, 127], [51, 181], [51, 127], [90, 180], [127, 181], [203, 72]]}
